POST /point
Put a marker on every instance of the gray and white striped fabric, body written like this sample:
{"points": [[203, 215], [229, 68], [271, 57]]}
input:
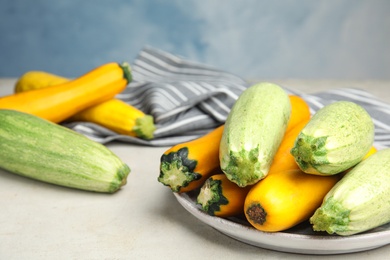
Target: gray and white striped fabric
{"points": [[188, 99]]}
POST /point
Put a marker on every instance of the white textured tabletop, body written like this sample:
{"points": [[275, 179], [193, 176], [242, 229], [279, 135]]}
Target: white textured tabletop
{"points": [[141, 221]]}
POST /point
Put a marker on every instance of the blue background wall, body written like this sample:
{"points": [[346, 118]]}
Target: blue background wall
{"points": [[339, 39]]}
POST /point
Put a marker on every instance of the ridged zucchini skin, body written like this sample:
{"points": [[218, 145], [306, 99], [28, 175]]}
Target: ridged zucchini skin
{"points": [[36, 148], [336, 138], [360, 201], [253, 132]]}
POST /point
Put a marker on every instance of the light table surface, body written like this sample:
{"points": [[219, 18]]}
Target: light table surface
{"points": [[141, 221]]}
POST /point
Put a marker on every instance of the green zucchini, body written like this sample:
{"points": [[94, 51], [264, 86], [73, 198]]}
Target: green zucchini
{"points": [[36, 148], [360, 201], [253, 131], [336, 138]]}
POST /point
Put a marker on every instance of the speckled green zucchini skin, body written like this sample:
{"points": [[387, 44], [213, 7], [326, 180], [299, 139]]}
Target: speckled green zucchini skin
{"points": [[336, 138], [41, 150], [253, 132], [360, 201]]}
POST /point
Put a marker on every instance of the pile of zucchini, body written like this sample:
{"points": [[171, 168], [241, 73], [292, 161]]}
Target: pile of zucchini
{"points": [[325, 171], [35, 145]]}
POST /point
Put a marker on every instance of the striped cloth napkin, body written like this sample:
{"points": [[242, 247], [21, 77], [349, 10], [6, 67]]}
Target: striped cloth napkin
{"points": [[188, 99]]}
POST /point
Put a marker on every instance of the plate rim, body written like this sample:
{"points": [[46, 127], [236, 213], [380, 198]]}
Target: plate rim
{"points": [[286, 241]]}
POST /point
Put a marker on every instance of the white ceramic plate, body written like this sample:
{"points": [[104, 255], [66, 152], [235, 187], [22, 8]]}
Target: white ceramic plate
{"points": [[300, 239]]}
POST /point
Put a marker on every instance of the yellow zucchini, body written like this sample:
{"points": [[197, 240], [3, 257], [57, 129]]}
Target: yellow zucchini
{"points": [[285, 199], [283, 160], [113, 114], [64, 100], [300, 111], [36, 79], [186, 166], [119, 117], [220, 197]]}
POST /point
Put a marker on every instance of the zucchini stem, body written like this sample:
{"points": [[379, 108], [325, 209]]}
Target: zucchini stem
{"points": [[310, 152], [331, 217], [244, 167], [177, 171], [126, 71], [211, 196], [144, 127]]}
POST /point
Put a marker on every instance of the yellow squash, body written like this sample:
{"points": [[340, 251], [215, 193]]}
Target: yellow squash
{"points": [[283, 160], [113, 114], [285, 199], [36, 79], [220, 197], [186, 166], [370, 152], [119, 117], [64, 100], [300, 111], [300, 116]]}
